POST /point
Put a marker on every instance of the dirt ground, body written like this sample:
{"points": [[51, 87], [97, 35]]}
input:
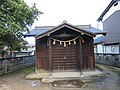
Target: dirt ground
{"points": [[16, 81]]}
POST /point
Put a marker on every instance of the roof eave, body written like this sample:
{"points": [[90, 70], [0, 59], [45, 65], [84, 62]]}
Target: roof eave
{"points": [[64, 25], [106, 10], [29, 35], [103, 33]]}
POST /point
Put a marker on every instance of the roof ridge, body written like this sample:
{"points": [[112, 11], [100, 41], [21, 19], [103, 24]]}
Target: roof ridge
{"points": [[89, 25], [43, 26]]}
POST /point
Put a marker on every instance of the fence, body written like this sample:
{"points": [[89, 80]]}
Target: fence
{"points": [[108, 59], [8, 65]]}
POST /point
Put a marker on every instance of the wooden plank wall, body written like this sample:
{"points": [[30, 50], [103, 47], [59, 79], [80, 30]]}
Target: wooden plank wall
{"points": [[64, 58], [88, 55], [42, 57]]}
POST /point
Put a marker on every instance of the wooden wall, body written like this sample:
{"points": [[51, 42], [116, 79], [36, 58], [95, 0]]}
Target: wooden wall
{"points": [[88, 54], [42, 55]]}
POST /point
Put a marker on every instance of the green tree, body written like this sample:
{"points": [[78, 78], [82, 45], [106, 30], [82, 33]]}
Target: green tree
{"points": [[15, 18]]}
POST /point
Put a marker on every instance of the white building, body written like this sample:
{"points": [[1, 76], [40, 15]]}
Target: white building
{"points": [[110, 19]]}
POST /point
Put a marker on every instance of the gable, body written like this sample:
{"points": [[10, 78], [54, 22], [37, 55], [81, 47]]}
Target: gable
{"points": [[65, 25], [107, 9]]}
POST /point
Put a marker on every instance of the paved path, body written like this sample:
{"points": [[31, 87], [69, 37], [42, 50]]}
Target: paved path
{"points": [[16, 81], [111, 80]]}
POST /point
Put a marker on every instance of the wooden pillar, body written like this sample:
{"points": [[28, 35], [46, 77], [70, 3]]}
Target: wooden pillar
{"points": [[50, 56], [36, 55], [81, 56], [93, 56]]}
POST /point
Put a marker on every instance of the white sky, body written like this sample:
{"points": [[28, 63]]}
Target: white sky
{"points": [[76, 12], [73, 11]]}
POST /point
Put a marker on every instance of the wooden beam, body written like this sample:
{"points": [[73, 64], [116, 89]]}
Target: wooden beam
{"points": [[64, 35], [50, 56], [81, 56]]}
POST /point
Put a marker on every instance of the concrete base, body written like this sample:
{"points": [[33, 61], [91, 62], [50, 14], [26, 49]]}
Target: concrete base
{"points": [[37, 76], [47, 77]]}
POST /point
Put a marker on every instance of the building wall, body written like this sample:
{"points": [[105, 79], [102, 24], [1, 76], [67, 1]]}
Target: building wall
{"points": [[112, 10], [42, 55], [112, 26], [106, 49], [88, 54], [99, 48], [112, 49]]}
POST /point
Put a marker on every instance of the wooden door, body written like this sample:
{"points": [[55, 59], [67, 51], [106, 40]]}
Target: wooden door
{"points": [[65, 58]]}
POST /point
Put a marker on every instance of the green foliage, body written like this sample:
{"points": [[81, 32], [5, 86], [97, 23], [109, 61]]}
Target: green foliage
{"points": [[3, 52], [98, 67], [29, 70], [15, 18]]}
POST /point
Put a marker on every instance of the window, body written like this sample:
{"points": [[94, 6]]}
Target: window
{"points": [[116, 4], [115, 49]]}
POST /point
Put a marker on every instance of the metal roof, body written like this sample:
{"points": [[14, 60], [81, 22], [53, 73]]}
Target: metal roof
{"points": [[109, 39], [41, 30], [96, 31], [99, 40], [35, 32], [107, 9], [67, 25]]}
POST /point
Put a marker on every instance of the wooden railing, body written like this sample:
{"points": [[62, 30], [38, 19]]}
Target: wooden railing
{"points": [[108, 59], [8, 65]]}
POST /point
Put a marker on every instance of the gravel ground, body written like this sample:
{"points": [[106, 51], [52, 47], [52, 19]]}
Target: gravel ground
{"points": [[16, 81]]}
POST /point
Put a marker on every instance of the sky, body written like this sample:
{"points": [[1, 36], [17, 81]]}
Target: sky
{"points": [[75, 12]]}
